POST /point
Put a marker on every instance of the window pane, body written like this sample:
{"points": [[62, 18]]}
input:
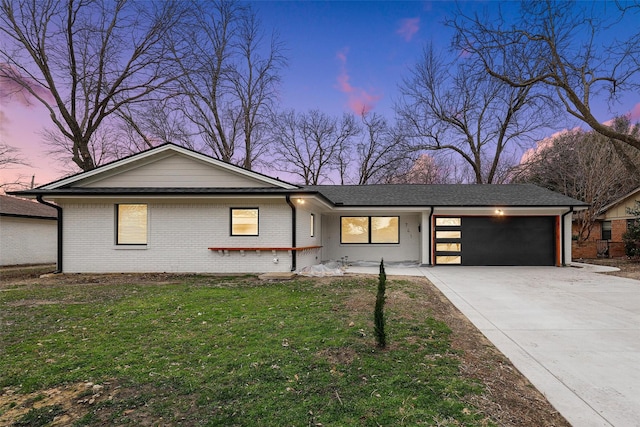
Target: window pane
{"points": [[449, 259], [132, 225], [354, 229], [384, 229], [606, 230], [448, 222], [244, 222], [448, 234], [313, 225], [448, 247]]}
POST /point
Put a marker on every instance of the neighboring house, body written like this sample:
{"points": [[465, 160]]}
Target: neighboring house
{"points": [[28, 232], [170, 209], [606, 235]]}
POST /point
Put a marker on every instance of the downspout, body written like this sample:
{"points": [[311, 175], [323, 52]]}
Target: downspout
{"points": [[562, 248], [293, 232], [429, 236], [59, 209]]}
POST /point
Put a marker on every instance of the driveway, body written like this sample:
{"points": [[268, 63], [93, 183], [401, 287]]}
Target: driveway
{"points": [[573, 332]]}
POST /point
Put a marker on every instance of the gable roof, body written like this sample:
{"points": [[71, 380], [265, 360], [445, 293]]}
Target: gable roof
{"points": [[620, 200], [167, 148], [13, 206], [439, 195]]}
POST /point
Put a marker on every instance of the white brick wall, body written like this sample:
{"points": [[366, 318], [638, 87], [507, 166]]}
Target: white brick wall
{"points": [[304, 238], [407, 250], [27, 241], [179, 235]]}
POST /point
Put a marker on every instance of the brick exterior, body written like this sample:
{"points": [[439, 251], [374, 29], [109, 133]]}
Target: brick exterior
{"points": [[588, 249], [179, 235]]}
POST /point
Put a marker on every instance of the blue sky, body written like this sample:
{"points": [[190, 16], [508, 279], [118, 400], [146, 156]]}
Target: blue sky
{"points": [[343, 56]]}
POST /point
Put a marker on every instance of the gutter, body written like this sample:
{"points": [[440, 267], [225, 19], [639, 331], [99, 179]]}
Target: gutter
{"points": [[562, 246], [293, 231], [59, 209]]}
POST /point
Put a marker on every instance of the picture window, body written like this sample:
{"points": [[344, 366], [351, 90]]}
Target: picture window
{"points": [[131, 224], [244, 221], [369, 229]]}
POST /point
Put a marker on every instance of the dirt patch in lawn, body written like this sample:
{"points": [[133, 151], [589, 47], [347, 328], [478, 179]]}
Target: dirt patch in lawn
{"points": [[628, 268], [509, 398]]}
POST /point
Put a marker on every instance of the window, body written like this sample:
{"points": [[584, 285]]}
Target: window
{"points": [[448, 234], [448, 240], [312, 231], [131, 224], [606, 230], [448, 222], [244, 221], [369, 229]]}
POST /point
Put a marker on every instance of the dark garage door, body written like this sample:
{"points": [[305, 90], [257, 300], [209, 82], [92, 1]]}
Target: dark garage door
{"points": [[508, 240]]}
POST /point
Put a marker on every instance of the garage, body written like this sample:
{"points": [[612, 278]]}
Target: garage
{"points": [[496, 240]]}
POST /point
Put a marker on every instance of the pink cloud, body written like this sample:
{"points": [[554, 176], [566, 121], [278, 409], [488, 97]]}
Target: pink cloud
{"points": [[11, 90], [634, 114], [408, 28], [359, 100]]}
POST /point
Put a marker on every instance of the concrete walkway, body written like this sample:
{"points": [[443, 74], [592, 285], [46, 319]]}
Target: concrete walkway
{"points": [[574, 333]]}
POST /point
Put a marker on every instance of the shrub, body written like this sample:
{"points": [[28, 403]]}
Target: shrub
{"points": [[378, 315], [631, 237]]}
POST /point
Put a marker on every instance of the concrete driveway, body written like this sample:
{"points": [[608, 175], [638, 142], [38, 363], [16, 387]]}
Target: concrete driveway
{"points": [[573, 332]]}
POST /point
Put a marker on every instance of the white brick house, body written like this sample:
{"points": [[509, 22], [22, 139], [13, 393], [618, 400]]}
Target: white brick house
{"points": [[170, 209], [28, 232]]}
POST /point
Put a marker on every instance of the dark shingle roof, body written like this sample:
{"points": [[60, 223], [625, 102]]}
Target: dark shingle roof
{"points": [[13, 206], [444, 195], [407, 195]]}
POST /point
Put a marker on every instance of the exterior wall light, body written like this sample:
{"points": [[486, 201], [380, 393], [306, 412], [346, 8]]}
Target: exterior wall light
{"points": [[499, 212]]}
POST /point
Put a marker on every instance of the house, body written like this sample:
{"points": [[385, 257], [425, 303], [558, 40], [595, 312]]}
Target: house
{"points": [[611, 223], [170, 209], [27, 232]]}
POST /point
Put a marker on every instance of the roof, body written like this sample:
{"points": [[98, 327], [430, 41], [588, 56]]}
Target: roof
{"points": [[450, 195], [389, 195], [619, 200], [13, 206]]}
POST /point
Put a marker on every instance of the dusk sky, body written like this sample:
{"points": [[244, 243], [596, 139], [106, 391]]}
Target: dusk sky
{"points": [[343, 57]]}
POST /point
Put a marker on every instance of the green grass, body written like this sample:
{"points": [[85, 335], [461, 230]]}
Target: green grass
{"points": [[231, 351]]}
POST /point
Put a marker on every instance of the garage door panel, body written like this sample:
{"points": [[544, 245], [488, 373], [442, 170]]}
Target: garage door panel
{"points": [[508, 241]]}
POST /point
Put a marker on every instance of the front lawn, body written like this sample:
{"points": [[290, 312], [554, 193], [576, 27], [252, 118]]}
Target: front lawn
{"points": [[229, 351]]}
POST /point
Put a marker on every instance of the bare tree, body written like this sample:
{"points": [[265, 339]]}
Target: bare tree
{"points": [[568, 47], [379, 152], [255, 82], [424, 169], [10, 156], [582, 165], [451, 107], [229, 78], [154, 123], [309, 145], [85, 60]]}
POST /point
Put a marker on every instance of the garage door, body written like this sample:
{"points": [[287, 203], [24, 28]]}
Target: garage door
{"points": [[502, 240]]}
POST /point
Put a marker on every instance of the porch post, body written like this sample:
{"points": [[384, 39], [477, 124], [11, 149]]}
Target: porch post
{"points": [[425, 247]]}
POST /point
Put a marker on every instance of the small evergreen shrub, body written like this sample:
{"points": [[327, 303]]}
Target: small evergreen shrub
{"points": [[378, 315]]}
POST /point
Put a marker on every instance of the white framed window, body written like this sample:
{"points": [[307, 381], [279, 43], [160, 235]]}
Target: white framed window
{"points": [[244, 221], [369, 229], [131, 224]]}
